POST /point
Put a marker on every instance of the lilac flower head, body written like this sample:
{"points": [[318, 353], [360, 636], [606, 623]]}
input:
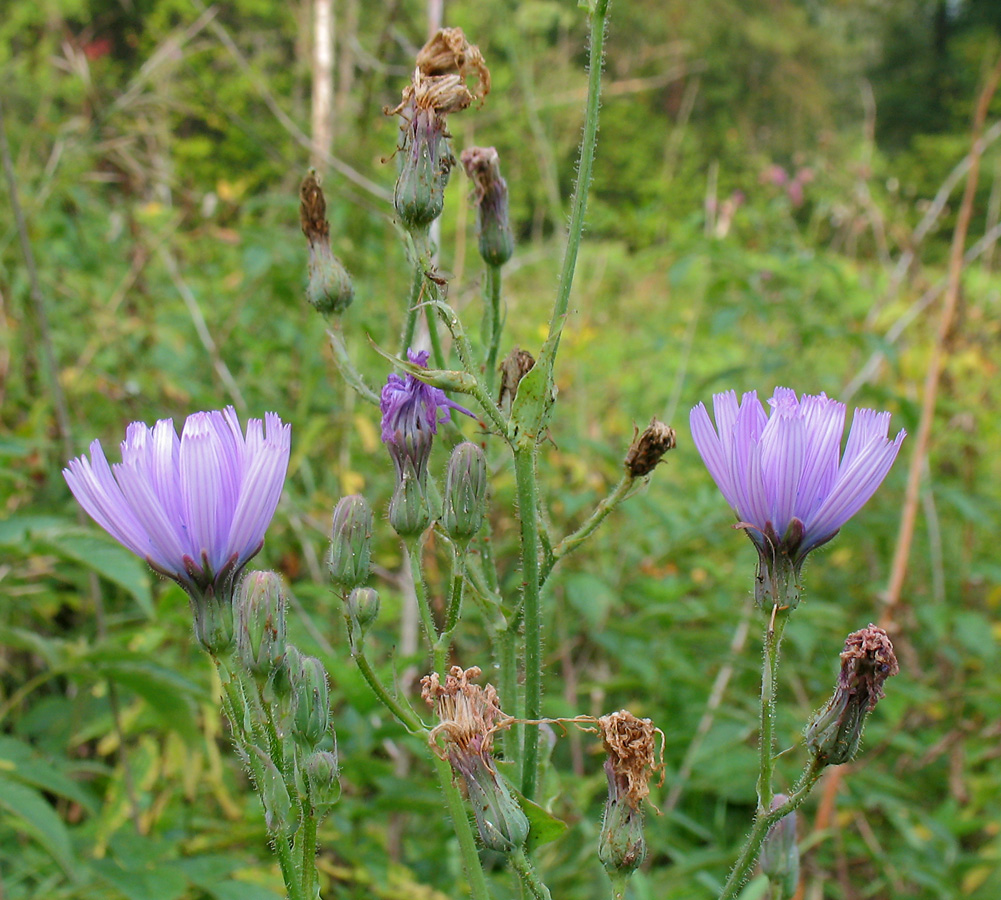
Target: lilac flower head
{"points": [[195, 507], [411, 414], [785, 475]]}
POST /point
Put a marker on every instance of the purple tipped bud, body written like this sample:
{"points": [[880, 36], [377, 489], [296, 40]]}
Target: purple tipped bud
{"points": [[426, 163], [780, 851], [323, 778], [311, 702], [465, 492], [647, 448], [482, 165], [350, 560], [260, 630], [329, 289], [867, 661]]}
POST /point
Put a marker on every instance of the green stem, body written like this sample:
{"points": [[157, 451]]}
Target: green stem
{"points": [[307, 835], [494, 312], [769, 683], [348, 372], [454, 610], [508, 659], [599, 14], [572, 541], [749, 852], [529, 877], [403, 714], [436, 351], [528, 515], [413, 301], [619, 881], [463, 830], [413, 551]]}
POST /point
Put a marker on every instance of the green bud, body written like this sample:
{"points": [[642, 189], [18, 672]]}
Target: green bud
{"points": [[482, 165], [835, 732], [311, 702], [621, 845], [500, 820], [213, 613], [465, 492], [329, 288], [278, 816], [260, 628], [322, 777], [780, 851], [363, 607], [426, 162], [409, 513], [351, 544]]}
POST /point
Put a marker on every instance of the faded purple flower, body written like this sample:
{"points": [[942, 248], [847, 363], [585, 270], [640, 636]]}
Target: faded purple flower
{"points": [[195, 507], [411, 414], [785, 475]]}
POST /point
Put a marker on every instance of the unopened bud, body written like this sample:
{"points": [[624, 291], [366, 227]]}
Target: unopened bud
{"points": [[322, 776], [213, 613], [329, 288], [465, 492], [867, 661], [351, 543], [260, 628], [780, 851], [515, 367], [278, 816], [482, 165], [647, 448], [409, 513], [500, 820], [363, 607], [311, 702], [426, 162]]}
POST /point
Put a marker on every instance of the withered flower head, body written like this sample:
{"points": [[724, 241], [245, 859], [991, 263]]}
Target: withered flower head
{"points": [[329, 288], [448, 51], [632, 760], [469, 716], [647, 448], [867, 661], [516, 366]]}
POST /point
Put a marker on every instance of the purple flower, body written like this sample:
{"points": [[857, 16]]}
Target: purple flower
{"points": [[411, 414], [785, 475], [195, 507]]}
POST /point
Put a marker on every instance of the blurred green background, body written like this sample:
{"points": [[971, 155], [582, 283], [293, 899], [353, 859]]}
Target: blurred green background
{"points": [[763, 213]]}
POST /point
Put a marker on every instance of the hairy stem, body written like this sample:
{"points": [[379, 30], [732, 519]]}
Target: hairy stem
{"points": [[528, 876], [769, 681], [463, 830], [494, 313]]}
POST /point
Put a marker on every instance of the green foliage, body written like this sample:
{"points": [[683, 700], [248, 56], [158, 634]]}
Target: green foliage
{"points": [[160, 191]]}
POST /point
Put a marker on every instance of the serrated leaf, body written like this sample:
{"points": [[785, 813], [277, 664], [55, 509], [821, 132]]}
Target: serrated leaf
{"points": [[36, 817]]}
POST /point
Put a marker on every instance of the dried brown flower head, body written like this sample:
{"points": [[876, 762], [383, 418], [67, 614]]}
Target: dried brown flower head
{"points": [[866, 662], [516, 366], [632, 754], [647, 448], [313, 208], [469, 715], [439, 83]]}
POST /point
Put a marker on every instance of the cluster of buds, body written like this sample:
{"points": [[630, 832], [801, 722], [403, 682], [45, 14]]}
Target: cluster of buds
{"points": [[468, 718], [439, 87], [867, 661], [329, 288], [482, 165], [632, 761]]}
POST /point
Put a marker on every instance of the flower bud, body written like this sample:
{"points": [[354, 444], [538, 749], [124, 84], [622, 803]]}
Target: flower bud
{"points": [[621, 846], [322, 777], [780, 851], [212, 609], [351, 544], [329, 288], [278, 816], [260, 629], [482, 165], [311, 702], [424, 171], [363, 607], [465, 492], [409, 512], [647, 448], [867, 661]]}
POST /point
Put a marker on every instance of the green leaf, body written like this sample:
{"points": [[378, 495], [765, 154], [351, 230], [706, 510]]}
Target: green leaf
{"points": [[543, 825], [37, 818], [531, 406], [20, 761]]}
